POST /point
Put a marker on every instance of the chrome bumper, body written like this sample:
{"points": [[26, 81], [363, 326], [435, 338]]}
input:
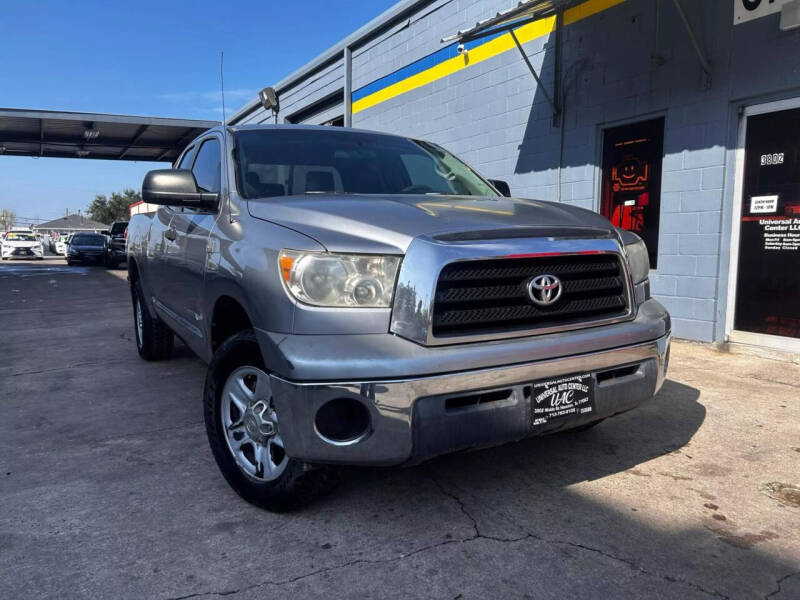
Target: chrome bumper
{"points": [[410, 422]]}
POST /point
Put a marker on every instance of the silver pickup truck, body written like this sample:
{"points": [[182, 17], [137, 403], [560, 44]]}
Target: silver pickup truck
{"points": [[369, 299]]}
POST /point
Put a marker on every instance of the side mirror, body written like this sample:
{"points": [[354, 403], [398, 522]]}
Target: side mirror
{"points": [[176, 187], [501, 186]]}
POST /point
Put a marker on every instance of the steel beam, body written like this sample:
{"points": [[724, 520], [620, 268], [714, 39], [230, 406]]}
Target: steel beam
{"points": [[136, 137], [693, 38], [556, 111]]}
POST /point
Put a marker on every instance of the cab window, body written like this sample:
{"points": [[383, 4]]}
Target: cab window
{"points": [[207, 167], [186, 159]]}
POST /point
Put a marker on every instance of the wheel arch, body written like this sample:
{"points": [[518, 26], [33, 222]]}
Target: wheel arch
{"points": [[228, 317]]}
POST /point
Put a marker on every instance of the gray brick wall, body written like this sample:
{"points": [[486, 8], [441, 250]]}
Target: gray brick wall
{"points": [[492, 115]]}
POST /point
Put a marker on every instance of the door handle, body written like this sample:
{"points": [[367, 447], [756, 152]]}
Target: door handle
{"points": [[170, 234]]}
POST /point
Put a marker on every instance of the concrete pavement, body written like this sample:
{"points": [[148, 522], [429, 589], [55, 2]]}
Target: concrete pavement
{"points": [[108, 488]]}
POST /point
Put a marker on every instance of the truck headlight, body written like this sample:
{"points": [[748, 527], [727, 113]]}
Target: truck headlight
{"points": [[346, 280], [637, 256]]}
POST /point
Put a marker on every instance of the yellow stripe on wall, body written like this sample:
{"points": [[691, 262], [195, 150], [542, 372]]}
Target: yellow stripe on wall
{"points": [[490, 49]]}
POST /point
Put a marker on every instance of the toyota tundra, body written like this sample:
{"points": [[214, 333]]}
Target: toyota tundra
{"points": [[369, 299]]}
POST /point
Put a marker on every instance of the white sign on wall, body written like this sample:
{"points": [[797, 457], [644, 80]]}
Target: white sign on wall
{"points": [[747, 10], [763, 204]]}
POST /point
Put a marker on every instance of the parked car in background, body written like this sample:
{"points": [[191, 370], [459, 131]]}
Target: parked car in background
{"points": [[115, 250], [86, 248], [61, 244], [21, 243], [369, 299]]}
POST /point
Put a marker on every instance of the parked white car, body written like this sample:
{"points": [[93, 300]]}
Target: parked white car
{"points": [[62, 244], [21, 244]]}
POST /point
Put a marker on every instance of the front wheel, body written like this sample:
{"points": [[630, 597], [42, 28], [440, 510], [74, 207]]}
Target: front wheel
{"points": [[244, 431]]}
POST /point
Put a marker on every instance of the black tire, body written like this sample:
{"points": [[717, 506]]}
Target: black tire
{"points": [[297, 485], [155, 341]]}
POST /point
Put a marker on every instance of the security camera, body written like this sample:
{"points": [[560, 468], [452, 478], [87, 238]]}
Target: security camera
{"points": [[460, 49]]}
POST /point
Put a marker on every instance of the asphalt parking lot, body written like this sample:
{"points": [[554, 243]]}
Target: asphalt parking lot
{"points": [[108, 488]]}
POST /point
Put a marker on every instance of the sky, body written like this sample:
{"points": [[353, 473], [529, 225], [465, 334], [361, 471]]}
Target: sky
{"points": [[146, 58]]}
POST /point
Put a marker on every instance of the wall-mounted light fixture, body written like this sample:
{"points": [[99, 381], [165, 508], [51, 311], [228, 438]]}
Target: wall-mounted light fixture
{"points": [[269, 100]]}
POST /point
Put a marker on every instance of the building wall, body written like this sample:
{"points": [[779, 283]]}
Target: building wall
{"points": [[627, 61]]}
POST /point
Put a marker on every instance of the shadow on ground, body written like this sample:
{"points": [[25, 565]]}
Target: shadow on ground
{"points": [[108, 489]]}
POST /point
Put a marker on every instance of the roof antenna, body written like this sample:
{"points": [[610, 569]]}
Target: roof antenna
{"points": [[222, 87]]}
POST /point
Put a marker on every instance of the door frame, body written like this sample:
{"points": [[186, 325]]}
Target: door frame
{"points": [[733, 335]]}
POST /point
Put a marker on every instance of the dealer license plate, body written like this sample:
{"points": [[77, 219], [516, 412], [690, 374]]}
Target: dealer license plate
{"points": [[561, 399]]}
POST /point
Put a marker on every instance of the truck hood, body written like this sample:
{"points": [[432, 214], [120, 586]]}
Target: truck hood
{"points": [[387, 224]]}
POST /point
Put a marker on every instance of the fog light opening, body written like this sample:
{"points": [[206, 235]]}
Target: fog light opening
{"points": [[342, 421]]}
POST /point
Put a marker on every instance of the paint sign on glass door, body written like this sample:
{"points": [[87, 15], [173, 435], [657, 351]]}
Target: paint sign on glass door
{"points": [[768, 280]]}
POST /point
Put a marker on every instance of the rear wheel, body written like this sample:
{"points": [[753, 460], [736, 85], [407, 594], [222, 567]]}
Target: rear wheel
{"points": [[154, 340], [244, 431]]}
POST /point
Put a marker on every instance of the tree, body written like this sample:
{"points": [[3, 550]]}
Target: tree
{"points": [[116, 208], [8, 219]]}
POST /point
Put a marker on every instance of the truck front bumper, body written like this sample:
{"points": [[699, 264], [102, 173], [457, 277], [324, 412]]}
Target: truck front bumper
{"points": [[411, 419]]}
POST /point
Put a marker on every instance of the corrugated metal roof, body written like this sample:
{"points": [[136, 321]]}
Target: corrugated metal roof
{"points": [[523, 12], [88, 135]]}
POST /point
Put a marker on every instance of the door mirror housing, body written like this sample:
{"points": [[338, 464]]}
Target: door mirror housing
{"points": [[176, 187], [501, 186]]}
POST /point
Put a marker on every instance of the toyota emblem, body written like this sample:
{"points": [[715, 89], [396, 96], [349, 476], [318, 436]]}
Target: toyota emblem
{"points": [[544, 290]]}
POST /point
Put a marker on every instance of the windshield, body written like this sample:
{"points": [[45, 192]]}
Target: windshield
{"points": [[20, 237], [284, 162], [85, 239], [119, 228]]}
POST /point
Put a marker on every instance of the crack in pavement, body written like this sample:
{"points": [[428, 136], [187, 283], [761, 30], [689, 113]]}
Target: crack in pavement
{"points": [[147, 432], [779, 583], [73, 366], [281, 582], [477, 535], [774, 381], [544, 540]]}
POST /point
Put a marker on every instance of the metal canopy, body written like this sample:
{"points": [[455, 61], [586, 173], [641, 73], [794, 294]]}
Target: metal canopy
{"points": [[524, 12], [86, 135]]}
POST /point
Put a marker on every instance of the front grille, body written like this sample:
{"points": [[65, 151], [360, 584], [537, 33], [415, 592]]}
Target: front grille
{"points": [[491, 296]]}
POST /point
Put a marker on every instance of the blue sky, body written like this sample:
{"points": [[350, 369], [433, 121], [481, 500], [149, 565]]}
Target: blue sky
{"points": [[146, 58]]}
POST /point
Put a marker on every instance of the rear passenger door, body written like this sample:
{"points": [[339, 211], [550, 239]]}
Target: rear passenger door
{"points": [[160, 245], [189, 232]]}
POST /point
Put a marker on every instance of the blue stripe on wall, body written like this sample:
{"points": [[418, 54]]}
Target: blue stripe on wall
{"points": [[418, 66]]}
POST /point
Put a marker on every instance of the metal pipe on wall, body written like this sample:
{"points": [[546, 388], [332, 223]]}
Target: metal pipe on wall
{"points": [[348, 86]]}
